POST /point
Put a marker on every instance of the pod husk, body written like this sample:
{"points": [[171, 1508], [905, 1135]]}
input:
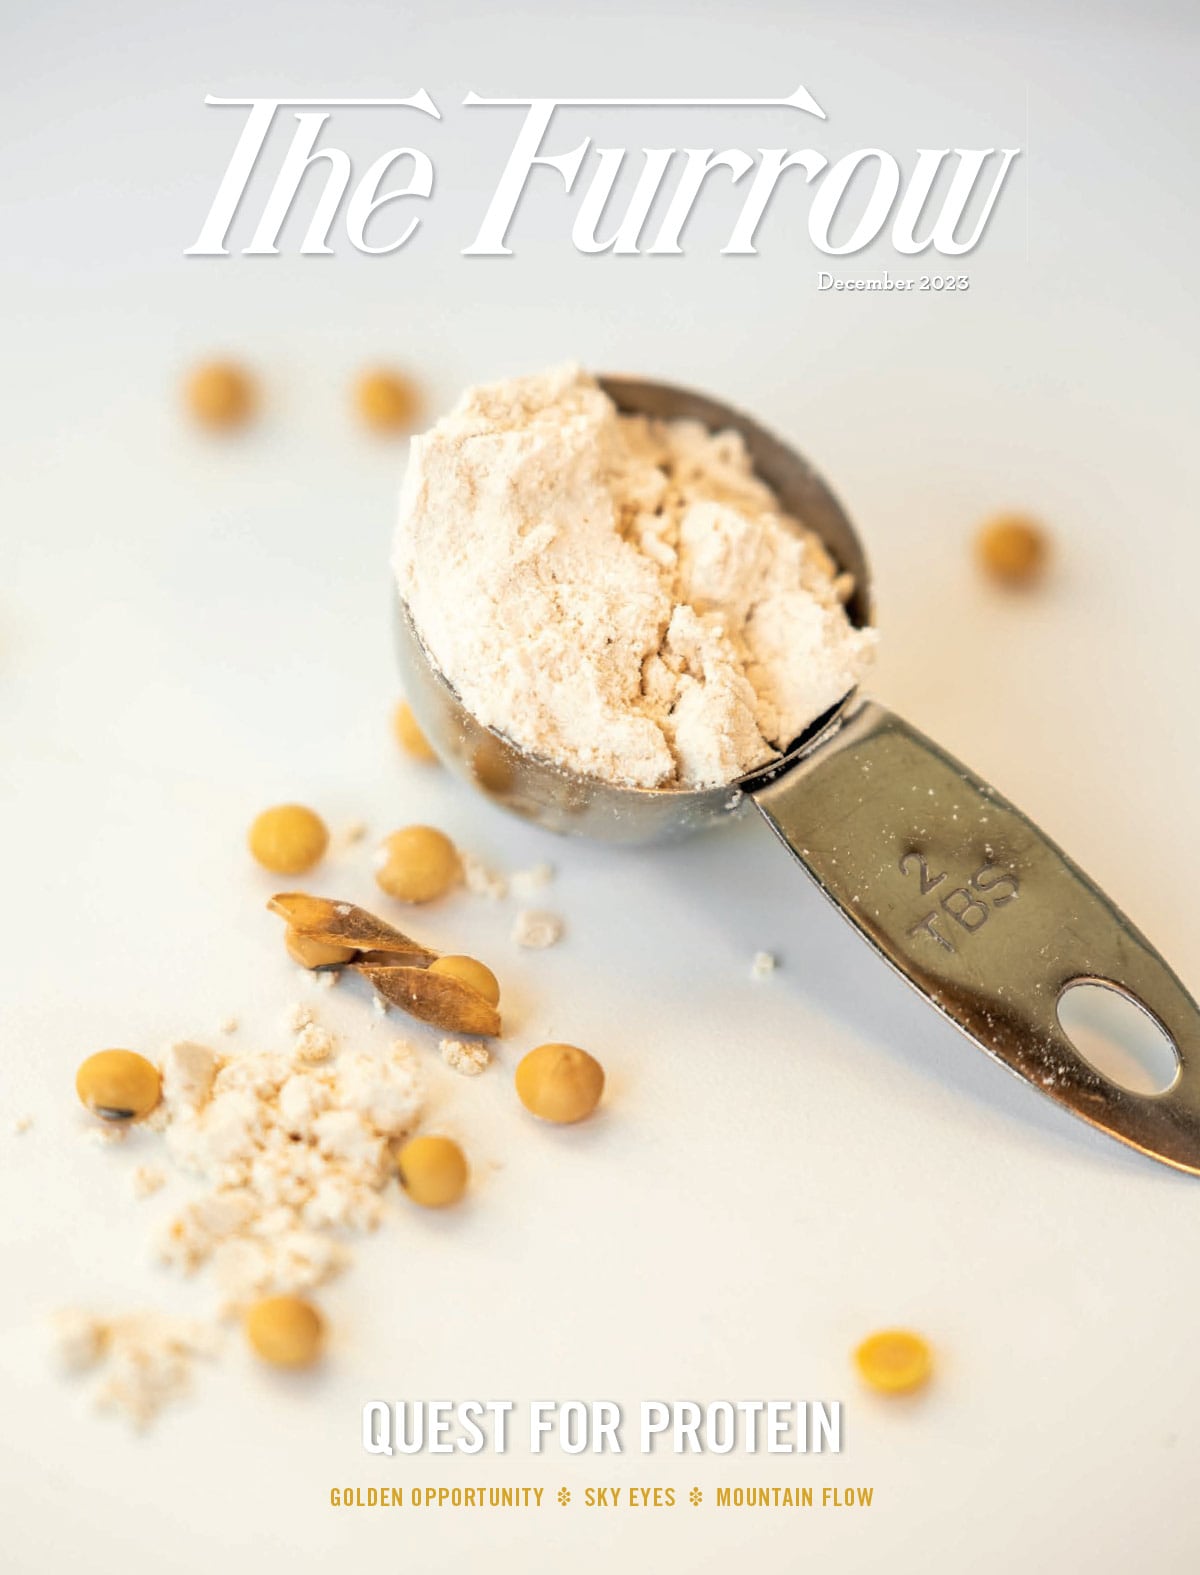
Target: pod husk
{"points": [[433, 997], [344, 924], [388, 959]]}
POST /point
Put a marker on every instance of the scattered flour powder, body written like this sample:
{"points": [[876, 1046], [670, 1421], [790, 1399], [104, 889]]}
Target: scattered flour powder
{"points": [[144, 1359], [289, 1154], [292, 1153], [617, 595]]}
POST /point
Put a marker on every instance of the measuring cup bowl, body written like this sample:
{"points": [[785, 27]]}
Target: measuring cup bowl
{"points": [[558, 800], [950, 883], [563, 801]]}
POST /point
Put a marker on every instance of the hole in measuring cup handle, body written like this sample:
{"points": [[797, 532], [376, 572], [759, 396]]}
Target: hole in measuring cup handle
{"points": [[1118, 1036]]}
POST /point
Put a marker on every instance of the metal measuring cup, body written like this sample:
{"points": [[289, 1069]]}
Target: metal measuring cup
{"points": [[950, 883]]}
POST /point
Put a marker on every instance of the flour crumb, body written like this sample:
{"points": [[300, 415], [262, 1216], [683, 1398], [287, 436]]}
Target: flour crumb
{"points": [[527, 883], [481, 881], [188, 1070], [104, 1134], [313, 1044], [144, 1360], [764, 963], [465, 1057], [229, 1025], [158, 1120], [79, 1339], [354, 832], [292, 1154], [379, 1005], [536, 929], [146, 1180], [22, 1124]]}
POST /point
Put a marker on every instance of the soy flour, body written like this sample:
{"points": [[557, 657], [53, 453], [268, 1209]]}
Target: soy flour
{"points": [[617, 595]]}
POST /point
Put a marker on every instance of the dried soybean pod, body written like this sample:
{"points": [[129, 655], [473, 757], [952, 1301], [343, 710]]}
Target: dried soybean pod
{"points": [[434, 998], [344, 924]]}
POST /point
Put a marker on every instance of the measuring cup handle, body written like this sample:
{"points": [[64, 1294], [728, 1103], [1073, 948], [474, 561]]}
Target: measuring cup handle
{"points": [[984, 915]]}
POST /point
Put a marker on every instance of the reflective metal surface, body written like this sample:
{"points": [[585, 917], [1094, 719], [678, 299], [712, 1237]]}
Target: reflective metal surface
{"points": [[984, 915], [951, 884]]}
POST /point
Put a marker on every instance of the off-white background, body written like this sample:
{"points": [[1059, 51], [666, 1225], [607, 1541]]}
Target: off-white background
{"points": [[189, 632]]}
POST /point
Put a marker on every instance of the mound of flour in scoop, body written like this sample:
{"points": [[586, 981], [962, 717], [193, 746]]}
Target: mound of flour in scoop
{"points": [[619, 596]]}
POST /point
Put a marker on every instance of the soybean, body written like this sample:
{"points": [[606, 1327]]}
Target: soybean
{"points": [[560, 1083], [433, 1171], [418, 864], [310, 953], [288, 839], [285, 1331], [409, 735], [221, 395], [119, 1085], [1013, 550], [894, 1361], [467, 970]]}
